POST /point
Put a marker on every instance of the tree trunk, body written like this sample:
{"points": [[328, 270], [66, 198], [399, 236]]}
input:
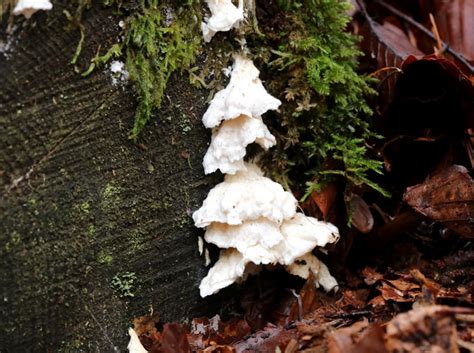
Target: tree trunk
{"points": [[84, 211]]}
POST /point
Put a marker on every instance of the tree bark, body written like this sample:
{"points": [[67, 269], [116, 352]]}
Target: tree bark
{"points": [[81, 204]]}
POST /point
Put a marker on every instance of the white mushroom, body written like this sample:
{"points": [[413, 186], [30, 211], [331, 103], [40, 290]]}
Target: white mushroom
{"points": [[247, 195], [266, 242], [244, 95], [255, 240], [28, 7], [224, 17], [134, 345], [309, 263], [227, 270], [302, 234], [229, 141]]}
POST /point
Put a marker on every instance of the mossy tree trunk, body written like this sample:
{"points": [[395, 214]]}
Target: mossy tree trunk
{"points": [[83, 210]]}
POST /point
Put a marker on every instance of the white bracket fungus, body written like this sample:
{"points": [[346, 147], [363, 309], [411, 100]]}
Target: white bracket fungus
{"points": [[28, 7], [309, 263], [266, 242], [244, 95], [250, 216], [134, 345], [247, 195], [263, 242], [229, 141], [227, 270], [224, 16]]}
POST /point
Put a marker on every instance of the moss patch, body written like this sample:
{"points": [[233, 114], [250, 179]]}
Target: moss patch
{"points": [[160, 38], [324, 122]]}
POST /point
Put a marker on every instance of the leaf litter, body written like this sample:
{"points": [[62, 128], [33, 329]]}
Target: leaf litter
{"points": [[405, 265]]}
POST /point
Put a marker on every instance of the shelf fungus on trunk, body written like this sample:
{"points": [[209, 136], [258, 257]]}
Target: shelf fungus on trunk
{"points": [[250, 217], [255, 220], [224, 16], [134, 345], [235, 116], [244, 95], [28, 7], [229, 142]]}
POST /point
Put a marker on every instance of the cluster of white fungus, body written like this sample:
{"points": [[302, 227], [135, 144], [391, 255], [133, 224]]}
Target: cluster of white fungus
{"points": [[252, 218], [224, 16], [255, 220], [28, 7]]}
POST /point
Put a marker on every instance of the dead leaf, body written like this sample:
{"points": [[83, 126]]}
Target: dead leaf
{"points": [[361, 215], [455, 22], [213, 331], [391, 293], [174, 339], [428, 329], [446, 197], [326, 199], [358, 338], [305, 301], [145, 327], [371, 276], [266, 340]]}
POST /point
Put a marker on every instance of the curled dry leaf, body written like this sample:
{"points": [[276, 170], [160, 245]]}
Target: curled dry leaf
{"points": [[446, 197], [361, 215], [371, 276], [428, 329], [266, 340], [205, 331], [455, 23], [173, 340], [358, 338], [326, 200]]}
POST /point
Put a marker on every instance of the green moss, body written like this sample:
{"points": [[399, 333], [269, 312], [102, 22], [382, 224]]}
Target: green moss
{"points": [[85, 207], [324, 121], [105, 258], [91, 230], [15, 239], [160, 39], [109, 191]]}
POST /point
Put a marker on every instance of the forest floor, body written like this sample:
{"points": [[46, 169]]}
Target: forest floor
{"points": [[406, 265]]}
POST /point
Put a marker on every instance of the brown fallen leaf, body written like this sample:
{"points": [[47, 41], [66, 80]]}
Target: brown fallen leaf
{"points": [[371, 276], [205, 331], [266, 340], [429, 329], [325, 200], [455, 22], [358, 338], [390, 292], [362, 217], [145, 327], [447, 197], [173, 340]]}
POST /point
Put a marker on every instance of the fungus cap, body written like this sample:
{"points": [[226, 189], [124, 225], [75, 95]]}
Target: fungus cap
{"points": [[227, 270], [134, 345], [247, 195], [255, 240], [28, 7], [310, 264], [229, 141], [262, 241], [224, 16], [244, 95]]}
